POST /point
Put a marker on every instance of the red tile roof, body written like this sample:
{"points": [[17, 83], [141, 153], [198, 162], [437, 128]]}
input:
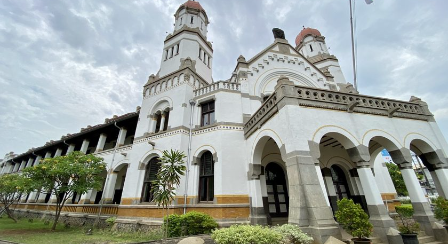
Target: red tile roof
{"points": [[193, 4], [305, 32]]}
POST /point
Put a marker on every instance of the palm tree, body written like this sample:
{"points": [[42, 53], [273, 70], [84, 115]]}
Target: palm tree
{"points": [[171, 169]]}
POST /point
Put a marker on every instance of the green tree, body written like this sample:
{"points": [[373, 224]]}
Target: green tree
{"points": [[397, 179], [12, 188], [171, 169], [65, 175]]}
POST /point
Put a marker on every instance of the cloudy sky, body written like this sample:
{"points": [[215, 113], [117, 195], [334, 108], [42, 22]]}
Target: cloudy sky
{"points": [[68, 64]]}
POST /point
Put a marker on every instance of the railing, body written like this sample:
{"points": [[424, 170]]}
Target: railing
{"points": [[352, 103], [224, 85]]}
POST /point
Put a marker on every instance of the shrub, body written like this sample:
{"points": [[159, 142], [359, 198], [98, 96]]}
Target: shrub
{"points": [[110, 221], [407, 225], [247, 234], [353, 218], [441, 209], [292, 234], [192, 223]]}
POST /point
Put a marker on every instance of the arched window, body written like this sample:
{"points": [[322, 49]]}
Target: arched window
{"points": [[167, 117], [150, 175], [206, 178]]}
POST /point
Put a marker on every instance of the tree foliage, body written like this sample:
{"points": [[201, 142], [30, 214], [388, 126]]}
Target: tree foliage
{"points": [[441, 209], [65, 175], [353, 218], [171, 169], [12, 188], [408, 224], [397, 179]]}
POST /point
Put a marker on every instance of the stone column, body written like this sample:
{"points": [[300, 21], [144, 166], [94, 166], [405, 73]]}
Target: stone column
{"points": [[85, 198], [85, 146], [37, 161], [330, 192], [16, 167], [58, 152], [22, 165], [70, 148], [121, 137], [30, 162], [422, 208], [162, 122], [101, 142], [152, 123], [48, 155], [379, 216], [307, 205], [442, 177], [110, 188], [257, 210]]}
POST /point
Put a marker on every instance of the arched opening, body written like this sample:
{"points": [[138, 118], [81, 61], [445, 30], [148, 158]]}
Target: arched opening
{"points": [[277, 191], [152, 167], [339, 173], [119, 184], [206, 177]]}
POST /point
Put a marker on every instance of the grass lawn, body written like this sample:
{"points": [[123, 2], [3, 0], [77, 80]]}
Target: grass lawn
{"points": [[37, 232]]}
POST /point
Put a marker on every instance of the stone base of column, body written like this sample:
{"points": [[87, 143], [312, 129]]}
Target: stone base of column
{"points": [[381, 221], [424, 216], [322, 233], [257, 216]]}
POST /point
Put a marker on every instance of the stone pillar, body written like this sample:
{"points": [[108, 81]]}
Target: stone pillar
{"points": [[162, 122], [121, 137], [101, 142], [70, 148], [152, 123], [331, 193], [257, 210], [58, 152], [442, 178], [379, 217], [110, 188], [30, 162], [85, 198], [22, 165], [48, 155], [422, 209], [85, 146], [307, 205], [16, 167], [37, 161]]}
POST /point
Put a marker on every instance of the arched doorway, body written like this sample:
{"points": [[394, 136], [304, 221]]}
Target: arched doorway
{"points": [[339, 182], [278, 198]]}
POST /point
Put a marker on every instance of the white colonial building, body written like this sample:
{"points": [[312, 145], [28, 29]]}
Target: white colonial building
{"points": [[282, 139]]}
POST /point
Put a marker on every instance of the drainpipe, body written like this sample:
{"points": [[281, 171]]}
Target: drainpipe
{"points": [[107, 178], [192, 103]]}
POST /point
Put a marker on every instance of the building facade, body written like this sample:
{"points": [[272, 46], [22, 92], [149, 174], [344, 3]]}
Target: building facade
{"points": [[281, 140]]}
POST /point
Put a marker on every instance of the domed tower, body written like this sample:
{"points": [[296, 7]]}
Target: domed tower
{"points": [[188, 40], [311, 44]]}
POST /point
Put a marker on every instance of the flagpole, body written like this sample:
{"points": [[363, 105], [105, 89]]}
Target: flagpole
{"points": [[353, 45]]}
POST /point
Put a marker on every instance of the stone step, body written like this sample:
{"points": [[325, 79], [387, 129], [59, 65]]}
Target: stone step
{"points": [[425, 239]]}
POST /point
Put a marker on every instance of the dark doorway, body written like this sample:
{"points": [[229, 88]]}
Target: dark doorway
{"points": [[278, 200], [339, 182]]}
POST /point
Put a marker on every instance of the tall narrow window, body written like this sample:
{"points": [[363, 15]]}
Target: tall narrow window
{"points": [[152, 168], [208, 62], [206, 178], [191, 19], [180, 23], [208, 113], [200, 50], [177, 50], [204, 57], [165, 124], [311, 48], [201, 25], [159, 120], [166, 54], [321, 48]]}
